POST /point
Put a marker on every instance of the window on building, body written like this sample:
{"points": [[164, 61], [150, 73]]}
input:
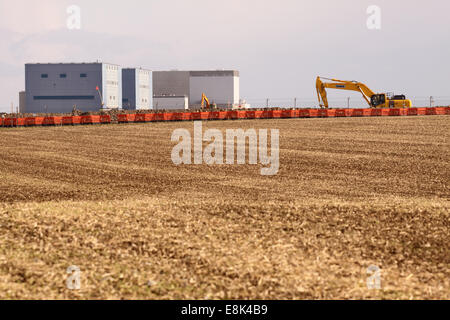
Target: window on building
{"points": [[83, 75], [44, 76], [63, 75]]}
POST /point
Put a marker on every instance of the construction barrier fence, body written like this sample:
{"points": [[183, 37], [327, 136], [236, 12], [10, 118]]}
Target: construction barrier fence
{"points": [[219, 115]]}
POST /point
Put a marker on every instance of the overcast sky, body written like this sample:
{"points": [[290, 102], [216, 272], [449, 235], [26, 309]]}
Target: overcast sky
{"points": [[278, 46]]}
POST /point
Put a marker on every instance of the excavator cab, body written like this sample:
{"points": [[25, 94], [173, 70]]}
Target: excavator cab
{"points": [[378, 99]]}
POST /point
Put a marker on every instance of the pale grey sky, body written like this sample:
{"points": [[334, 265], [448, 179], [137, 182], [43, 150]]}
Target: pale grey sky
{"points": [[278, 46]]}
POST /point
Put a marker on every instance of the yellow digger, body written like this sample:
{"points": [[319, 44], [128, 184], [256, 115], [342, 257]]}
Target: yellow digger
{"points": [[380, 100], [205, 102], [206, 105]]}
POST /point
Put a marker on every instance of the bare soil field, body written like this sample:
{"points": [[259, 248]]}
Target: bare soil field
{"points": [[350, 193]]}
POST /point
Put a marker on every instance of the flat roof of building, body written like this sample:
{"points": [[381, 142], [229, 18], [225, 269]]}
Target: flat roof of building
{"points": [[136, 69], [70, 63], [206, 73], [169, 96]]}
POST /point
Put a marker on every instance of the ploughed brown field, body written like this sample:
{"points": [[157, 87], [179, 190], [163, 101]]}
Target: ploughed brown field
{"points": [[350, 193]]}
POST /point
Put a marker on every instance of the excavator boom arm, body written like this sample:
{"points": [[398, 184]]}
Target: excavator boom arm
{"points": [[205, 100]]}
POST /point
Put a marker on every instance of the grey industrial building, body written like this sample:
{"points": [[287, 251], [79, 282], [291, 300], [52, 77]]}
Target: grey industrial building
{"points": [[58, 88], [137, 89], [171, 102], [221, 86]]}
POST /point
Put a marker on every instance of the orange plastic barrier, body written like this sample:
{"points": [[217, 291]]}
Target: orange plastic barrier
{"points": [[67, 121], [242, 115], [376, 112], [441, 111], [251, 115], [9, 122], [390, 112], [140, 117], [148, 117], [196, 116], [313, 113], [421, 111], [34, 121], [223, 115], [187, 116], [448, 110], [411, 112], [431, 111], [322, 113], [52, 121], [367, 112], [173, 116], [214, 115], [277, 114], [1, 122], [285, 114], [354, 112], [331, 113], [341, 113], [20, 122], [168, 116], [289, 114], [205, 115], [90, 120], [159, 117], [105, 119], [126, 118], [232, 115], [76, 120], [177, 116], [262, 114]]}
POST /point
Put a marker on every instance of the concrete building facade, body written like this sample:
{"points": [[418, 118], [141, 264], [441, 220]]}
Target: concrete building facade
{"points": [[137, 89], [171, 102], [221, 87], [58, 88]]}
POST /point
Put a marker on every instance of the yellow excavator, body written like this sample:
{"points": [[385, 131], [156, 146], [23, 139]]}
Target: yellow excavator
{"points": [[206, 104], [380, 100]]}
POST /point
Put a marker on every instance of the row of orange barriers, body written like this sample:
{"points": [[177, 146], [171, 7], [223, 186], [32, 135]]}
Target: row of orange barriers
{"points": [[278, 114], [54, 121], [219, 115]]}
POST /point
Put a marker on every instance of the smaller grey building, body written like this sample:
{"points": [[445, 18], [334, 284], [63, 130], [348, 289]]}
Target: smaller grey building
{"points": [[22, 102], [220, 86], [137, 89], [171, 102]]}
